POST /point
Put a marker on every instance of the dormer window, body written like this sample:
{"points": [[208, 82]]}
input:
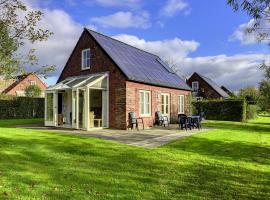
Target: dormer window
{"points": [[86, 59]]}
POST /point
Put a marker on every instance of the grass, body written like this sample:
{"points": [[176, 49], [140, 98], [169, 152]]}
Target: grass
{"points": [[230, 162]]}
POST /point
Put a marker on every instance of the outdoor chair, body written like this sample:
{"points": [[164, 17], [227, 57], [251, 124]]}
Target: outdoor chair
{"points": [[161, 120], [184, 122], [133, 120], [196, 122]]}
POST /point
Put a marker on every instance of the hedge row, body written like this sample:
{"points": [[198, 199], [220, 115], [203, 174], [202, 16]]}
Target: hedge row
{"points": [[227, 110], [21, 108]]}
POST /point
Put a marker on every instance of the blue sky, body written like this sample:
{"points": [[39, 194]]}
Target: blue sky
{"points": [[205, 36]]}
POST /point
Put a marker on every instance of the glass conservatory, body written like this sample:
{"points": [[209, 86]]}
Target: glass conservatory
{"points": [[80, 102]]}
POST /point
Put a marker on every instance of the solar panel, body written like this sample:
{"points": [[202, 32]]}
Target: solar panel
{"points": [[139, 65]]}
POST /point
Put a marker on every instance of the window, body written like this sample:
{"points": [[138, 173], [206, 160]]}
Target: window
{"points": [[195, 86], [181, 106], [165, 104], [86, 59], [33, 82], [144, 102]]}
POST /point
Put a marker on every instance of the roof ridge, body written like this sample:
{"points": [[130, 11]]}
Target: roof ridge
{"points": [[213, 82], [122, 42]]}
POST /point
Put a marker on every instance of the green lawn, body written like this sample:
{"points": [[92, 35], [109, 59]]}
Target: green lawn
{"points": [[231, 161]]}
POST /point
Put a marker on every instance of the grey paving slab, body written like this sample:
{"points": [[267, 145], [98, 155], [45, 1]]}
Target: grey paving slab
{"points": [[149, 138]]}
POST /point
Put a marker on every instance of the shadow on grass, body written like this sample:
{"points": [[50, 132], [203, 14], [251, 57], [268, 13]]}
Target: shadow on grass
{"points": [[237, 151], [67, 167], [248, 127]]}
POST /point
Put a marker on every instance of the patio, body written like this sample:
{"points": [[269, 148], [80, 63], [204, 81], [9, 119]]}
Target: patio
{"points": [[148, 138]]}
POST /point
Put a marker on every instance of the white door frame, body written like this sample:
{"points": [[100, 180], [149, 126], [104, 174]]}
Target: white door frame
{"points": [[165, 103], [55, 108]]}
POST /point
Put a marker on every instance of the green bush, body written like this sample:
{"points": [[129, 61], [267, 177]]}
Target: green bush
{"points": [[21, 108], [227, 110], [252, 111], [32, 91]]}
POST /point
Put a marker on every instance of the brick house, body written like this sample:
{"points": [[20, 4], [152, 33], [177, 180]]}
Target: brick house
{"points": [[204, 87], [105, 79], [17, 86]]}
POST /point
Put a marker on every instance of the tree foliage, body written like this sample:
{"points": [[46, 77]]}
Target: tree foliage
{"points": [[18, 26], [259, 11], [265, 89], [250, 94], [32, 91]]}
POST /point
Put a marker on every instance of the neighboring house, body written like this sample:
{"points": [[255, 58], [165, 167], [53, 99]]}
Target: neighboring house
{"points": [[229, 92], [17, 86], [204, 87], [105, 79]]}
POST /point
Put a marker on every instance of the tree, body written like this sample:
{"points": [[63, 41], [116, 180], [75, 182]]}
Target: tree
{"points": [[32, 91], [265, 89], [175, 68], [259, 11], [251, 94], [18, 26]]}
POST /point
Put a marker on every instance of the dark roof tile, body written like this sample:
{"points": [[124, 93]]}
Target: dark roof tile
{"points": [[139, 65]]}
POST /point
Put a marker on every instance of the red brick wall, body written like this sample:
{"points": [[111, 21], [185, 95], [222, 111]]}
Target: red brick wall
{"points": [[133, 100], [209, 92], [26, 82], [100, 62]]}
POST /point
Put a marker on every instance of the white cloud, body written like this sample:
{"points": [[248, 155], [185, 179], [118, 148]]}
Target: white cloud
{"points": [[246, 37], [174, 6], [172, 49], [235, 71], [56, 50], [128, 3], [123, 20]]}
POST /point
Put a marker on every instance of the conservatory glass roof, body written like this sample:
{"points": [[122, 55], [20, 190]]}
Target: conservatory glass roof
{"points": [[79, 81]]}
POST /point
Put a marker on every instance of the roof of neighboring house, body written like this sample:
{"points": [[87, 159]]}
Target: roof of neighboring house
{"points": [[16, 81], [139, 65], [229, 92], [4, 84], [215, 86]]}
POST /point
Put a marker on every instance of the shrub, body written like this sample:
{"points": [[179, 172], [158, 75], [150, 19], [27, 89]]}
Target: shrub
{"points": [[227, 110], [21, 108], [32, 91], [252, 111]]}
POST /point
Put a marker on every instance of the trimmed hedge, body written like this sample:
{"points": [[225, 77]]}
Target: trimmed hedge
{"points": [[226, 110], [21, 108]]}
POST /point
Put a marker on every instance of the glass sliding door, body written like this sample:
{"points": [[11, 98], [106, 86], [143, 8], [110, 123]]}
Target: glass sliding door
{"points": [[50, 109], [81, 109], [96, 108], [165, 105]]}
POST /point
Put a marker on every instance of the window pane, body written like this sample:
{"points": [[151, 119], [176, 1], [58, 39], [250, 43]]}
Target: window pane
{"points": [[141, 108], [86, 58], [49, 116], [88, 62], [141, 104]]}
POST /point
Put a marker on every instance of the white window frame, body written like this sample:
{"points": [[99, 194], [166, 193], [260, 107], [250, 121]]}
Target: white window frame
{"points": [[166, 103], [181, 104], [193, 85], [33, 83], [144, 103], [83, 59]]}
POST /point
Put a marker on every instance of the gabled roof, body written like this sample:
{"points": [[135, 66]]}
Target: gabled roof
{"points": [[229, 92], [16, 81], [5, 83], [214, 86], [139, 65]]}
